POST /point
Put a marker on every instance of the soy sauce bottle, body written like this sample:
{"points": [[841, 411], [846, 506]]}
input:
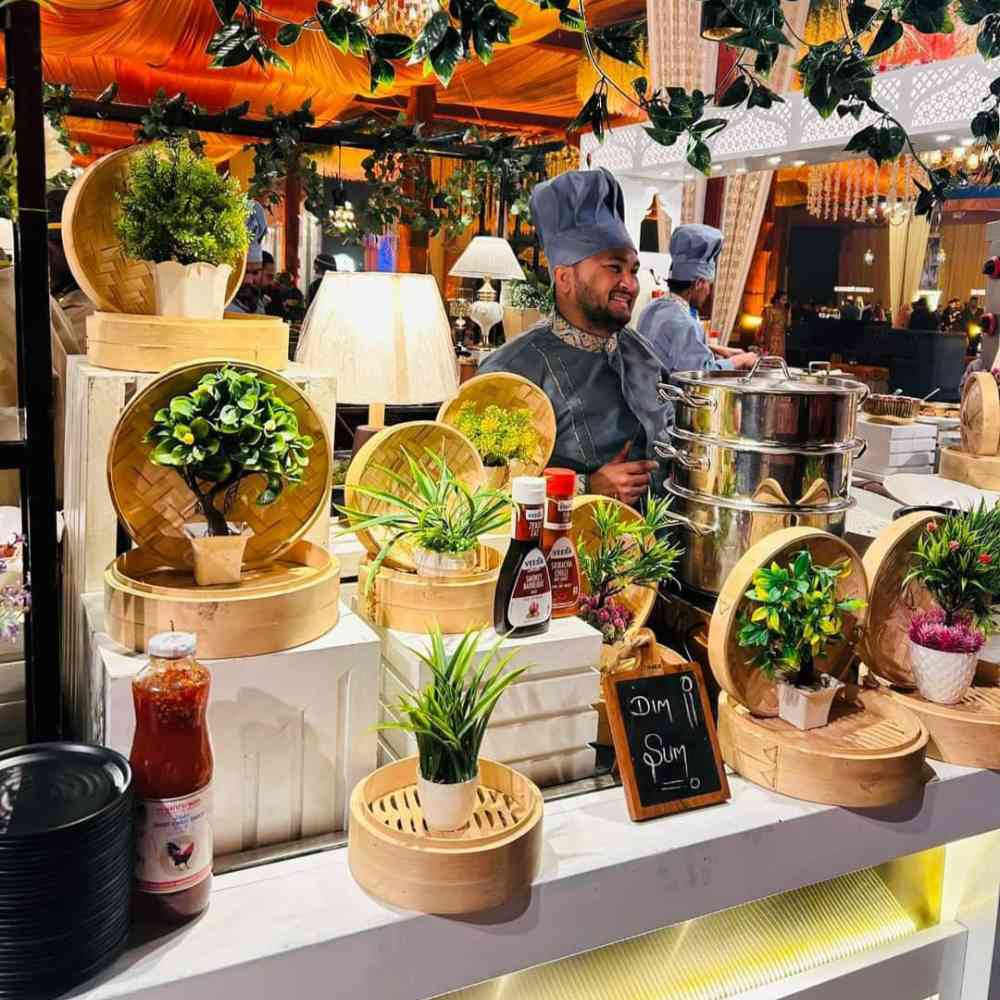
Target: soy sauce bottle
{"points": [[523, 602]]}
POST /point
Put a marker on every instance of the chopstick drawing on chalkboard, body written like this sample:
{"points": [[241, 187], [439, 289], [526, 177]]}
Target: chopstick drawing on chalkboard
{"points": [[687, 686]]}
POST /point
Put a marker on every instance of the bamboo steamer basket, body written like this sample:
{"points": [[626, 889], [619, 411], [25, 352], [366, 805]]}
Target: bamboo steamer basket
{"points": [[386, 451], [884, 646], [410, 603], [287, 602], [980, 415], [113, 282], [967, 733], [494, 859], [981, 471], [153, 502], [731, 664], [155, 343], [871, 753], [510, 392]]}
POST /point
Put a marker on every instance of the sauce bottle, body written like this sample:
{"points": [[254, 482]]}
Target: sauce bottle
{"points": [[172, 766], [560, 552], [523, 602]]}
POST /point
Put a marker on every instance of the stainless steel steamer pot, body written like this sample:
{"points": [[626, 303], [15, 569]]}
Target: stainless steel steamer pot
{"points": [[722, 530], [769, 405], [760, 473]]}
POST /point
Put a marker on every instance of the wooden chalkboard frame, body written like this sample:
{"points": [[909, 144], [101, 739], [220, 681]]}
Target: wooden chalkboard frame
{"points": [[652, 664]]}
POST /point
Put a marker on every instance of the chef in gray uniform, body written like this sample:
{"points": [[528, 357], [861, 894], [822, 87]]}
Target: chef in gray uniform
{"points": [[671, 324], [600, 375]]}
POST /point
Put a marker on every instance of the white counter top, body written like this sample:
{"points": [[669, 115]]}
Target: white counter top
{"points": [[303, 928]]}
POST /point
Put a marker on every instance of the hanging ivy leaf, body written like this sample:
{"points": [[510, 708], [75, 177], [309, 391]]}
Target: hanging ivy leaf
{"points": [[231, 44], [640, 85], [860, 15], [621, 41], [445, 56], [889, 32], [930, 17], [382, 72], [335, 22], [390, 45], [226, 9], [973, 11], [830, 75], [881, 142], [988, 40], [735, 94], [986, 125], [431, 37], [288, 34], [699, 155], [237, 110], [763, 97], [572, 20]]}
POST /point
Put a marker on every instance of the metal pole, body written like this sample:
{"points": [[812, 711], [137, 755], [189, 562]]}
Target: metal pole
{"points": [[22, 39]]}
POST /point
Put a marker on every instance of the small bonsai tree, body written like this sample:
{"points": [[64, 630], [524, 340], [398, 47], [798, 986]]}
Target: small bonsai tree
{"points": [[500, 436], [230, 427], [627, 553], [796, 615], [175, 206]]}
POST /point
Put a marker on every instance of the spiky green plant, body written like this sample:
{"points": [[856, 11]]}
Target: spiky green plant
{"points": [[450, 715], [433, 508]]}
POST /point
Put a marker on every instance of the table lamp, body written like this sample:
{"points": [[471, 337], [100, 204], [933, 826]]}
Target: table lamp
{"points": [[385, 336], [487, 257]]}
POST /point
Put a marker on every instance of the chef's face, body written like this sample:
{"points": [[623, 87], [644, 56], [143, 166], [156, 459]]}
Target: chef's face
{"points": [[700, 292], [603, 287]]}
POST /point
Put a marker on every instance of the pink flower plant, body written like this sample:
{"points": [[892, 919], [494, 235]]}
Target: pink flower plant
{"points": [[612, 621], [929, 630], [15, 600]]}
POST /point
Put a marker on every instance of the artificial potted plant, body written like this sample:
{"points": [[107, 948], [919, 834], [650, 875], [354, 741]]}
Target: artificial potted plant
{"points": [[626, 553], [958, 560], [434, 511], [505, 439], [449, 717], [795, 612], [188, 222], [231, 426], [525, 303]]}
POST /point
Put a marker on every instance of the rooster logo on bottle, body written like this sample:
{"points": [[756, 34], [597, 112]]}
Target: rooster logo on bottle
{"points": [[180, 854]]}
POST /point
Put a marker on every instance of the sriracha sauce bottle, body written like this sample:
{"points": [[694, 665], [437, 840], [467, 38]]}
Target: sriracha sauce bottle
{"points": [[560, 552]]}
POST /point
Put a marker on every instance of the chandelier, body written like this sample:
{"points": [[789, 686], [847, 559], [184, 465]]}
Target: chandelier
{"points": [[862, 191], [405, 17]]}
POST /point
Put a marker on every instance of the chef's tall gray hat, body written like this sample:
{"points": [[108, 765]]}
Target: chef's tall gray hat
{"points": [[694, 250], [579, 214]]}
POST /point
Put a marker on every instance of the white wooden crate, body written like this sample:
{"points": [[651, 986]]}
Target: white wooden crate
{"points": [[95, 398], [292, 732]]}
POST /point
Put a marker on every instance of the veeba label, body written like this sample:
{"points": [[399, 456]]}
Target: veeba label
{"points": [[531, 597]]}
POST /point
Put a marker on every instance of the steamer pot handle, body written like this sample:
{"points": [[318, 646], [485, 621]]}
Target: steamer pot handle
{"points": [[767, 361], [859, 446], [664, 450], [685, 522], [671, 394]]}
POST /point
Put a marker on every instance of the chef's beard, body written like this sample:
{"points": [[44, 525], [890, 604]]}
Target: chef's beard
{"points": [[598, 314]]}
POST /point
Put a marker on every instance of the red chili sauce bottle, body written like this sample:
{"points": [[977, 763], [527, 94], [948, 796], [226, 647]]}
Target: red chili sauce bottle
{"points": [[172, 765], [560, 552], [523, 602]]}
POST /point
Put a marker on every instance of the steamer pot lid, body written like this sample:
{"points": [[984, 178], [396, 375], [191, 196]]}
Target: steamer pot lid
{"points": [[772, 380]]}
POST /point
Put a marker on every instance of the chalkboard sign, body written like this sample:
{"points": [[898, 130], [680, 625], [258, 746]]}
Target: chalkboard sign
{"points": [[664, 735]]}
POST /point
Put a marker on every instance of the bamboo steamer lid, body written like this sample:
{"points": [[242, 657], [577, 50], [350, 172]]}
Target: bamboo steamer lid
{"points": [[113, 282], [384, 455], [509, 392], [884, 647], [981, 471], [153, 502], [732, 664], [981, 415], [639, 600]]}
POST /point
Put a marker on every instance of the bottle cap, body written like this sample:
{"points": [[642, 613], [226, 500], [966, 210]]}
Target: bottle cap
{"points": [[528, 489], [561, 482], [172, 645]]}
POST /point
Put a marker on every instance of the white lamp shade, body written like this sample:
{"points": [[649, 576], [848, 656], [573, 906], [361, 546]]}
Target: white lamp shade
{"points": [[386, 337], [488, 257]]}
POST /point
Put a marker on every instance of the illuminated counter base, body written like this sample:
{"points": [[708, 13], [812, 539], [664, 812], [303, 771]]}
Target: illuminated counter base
{"points": [[304, 924]]}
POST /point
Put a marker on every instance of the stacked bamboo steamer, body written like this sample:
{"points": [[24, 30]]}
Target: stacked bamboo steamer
{"points": [[124, 334], [872, 751], [978, 461], [290, 588]]}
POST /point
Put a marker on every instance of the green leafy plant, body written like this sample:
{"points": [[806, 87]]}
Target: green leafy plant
{"points": [[229, 427], [795, 615], [957, 559], [627, 553], [176, 207], [432, 508], [450, 715], [500, 436], [532, 293], [8, 162]]}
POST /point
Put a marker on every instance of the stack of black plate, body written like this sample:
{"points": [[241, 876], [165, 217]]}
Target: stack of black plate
{"points": [[66, 859]]}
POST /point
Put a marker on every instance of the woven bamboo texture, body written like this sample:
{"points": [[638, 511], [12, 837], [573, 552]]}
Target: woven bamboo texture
{"points": [[885, 644], [112, 281], [395, 858], [731, 664], [980, 415], [967, 733], [387, 450], [871, 753], [156, 343], [891, 409], [154, 503], [285, 603], [509, 392], [981, 471]]}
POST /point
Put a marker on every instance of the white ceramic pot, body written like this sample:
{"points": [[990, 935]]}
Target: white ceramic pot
{"points": [[445, 564], [808, 708], [447, 807], [217, 558], [194, 291], [942, 677]]}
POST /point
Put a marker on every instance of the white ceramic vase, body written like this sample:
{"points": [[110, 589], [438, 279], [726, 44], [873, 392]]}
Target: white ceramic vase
{"points": [[447, 807], [445, 564], [192, 291], [942, 677], [808, 708]]}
